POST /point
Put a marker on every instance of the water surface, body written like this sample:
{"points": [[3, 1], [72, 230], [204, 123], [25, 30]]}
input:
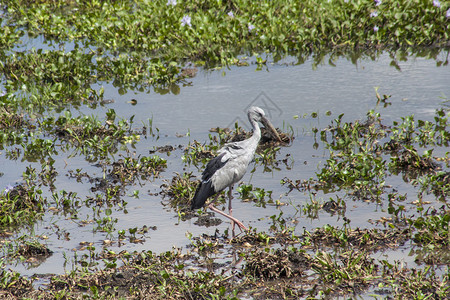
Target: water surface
{"points": [[290, 94]]}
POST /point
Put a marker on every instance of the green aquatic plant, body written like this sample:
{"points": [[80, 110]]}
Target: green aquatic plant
{"points": [[264, 264], [105, 223], [436, 183], [90, 136], [259, 196], [196, 153], [425, 133], [43, 80], [358, 152], [415, 283], [130, 168], [356, 165], [434, 133], [138, 45], [69, 202], [83, 134], [347, 271], [21, 204], [10, 280], [9, 37], [180, 190], [432, 228]]}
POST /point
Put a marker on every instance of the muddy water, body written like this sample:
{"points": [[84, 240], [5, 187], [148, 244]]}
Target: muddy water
{"points": [[290, 94]]}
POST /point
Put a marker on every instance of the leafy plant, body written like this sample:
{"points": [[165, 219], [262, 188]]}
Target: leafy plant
{"points": [[21, 204]]}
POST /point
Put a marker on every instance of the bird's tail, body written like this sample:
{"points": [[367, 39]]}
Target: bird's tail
{"points": [[204, 190]]}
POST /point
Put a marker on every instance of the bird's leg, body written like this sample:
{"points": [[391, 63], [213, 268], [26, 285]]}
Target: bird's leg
{"points": [[230, 209], [230, 195], [233, 219]]}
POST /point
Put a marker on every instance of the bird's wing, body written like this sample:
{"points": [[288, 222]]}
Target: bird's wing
{"points": [[213, 165], [227, 152], [233, 150]]}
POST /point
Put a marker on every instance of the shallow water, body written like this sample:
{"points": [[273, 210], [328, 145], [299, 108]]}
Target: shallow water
{"points": [[289, 93]]}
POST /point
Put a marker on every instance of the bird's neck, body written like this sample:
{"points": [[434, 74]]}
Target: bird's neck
{"points": [[256, 131]]}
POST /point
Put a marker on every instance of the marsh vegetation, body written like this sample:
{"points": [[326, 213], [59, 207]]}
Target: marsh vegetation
{"points": [[93, 195]]}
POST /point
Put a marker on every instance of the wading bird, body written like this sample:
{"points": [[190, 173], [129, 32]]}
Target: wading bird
{"points": [[230, 165]]}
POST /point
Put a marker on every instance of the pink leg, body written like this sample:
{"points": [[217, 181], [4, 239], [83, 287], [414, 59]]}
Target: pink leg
{"points": [[230, 209], [233, 219]]}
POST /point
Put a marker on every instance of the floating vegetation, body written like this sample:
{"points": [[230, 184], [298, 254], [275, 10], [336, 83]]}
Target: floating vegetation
{"points": [[277, 27], [159, 46], [357, 162], [85, 134], [180, 191], [142, 167], [432, 228], [345, 273], [415, 284], [177, 275], [437, 183], [21, 204], [303, 185], [279, 264], [12, 284], [358, 159], [362, 239], [259, 196], [195, 152]]}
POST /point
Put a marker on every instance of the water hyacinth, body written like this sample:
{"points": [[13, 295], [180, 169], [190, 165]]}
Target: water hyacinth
{"points": [[8, 189], [186, 21], [436, 3], [374, 14]]}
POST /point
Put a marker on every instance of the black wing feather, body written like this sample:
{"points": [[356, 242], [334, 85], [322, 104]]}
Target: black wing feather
{"points": [[203, 192], [205, 189], [213, 165]]}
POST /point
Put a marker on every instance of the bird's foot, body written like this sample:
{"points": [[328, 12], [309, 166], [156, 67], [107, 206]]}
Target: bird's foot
{"points": [[233, 219], [241, 226]]}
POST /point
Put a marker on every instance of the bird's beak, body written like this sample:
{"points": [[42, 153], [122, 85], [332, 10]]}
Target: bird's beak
{"points": [[270, 127]]}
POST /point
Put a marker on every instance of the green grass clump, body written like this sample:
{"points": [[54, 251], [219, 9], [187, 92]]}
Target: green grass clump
{"points": [[432, 229], [19, 205]]}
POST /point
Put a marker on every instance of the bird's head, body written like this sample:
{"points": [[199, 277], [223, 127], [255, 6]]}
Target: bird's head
{"points": [[256, 114]]}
